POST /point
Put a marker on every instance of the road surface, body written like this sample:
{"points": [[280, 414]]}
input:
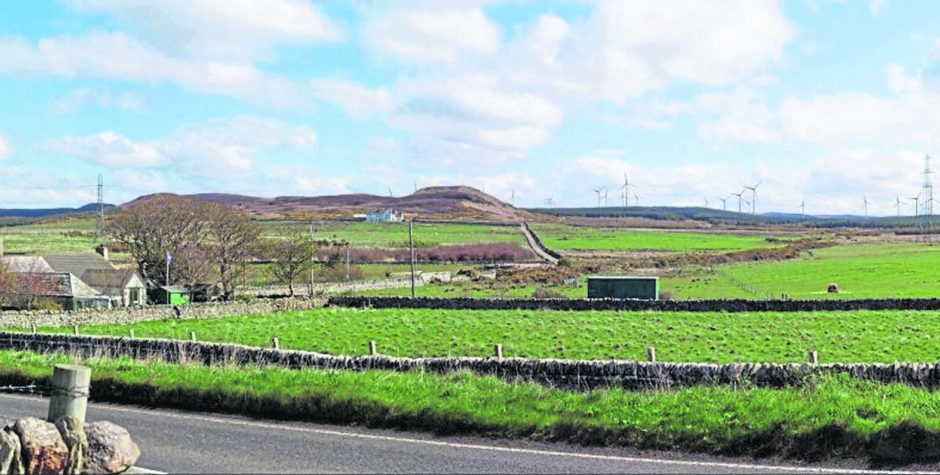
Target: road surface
{"points": [[174, 441]]}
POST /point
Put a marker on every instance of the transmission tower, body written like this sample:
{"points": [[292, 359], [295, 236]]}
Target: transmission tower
{"points": [[926, 222], [99, 218]]}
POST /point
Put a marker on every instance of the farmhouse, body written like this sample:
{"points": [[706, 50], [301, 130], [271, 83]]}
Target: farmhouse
{"points": [[123, 286], [385, 216]]}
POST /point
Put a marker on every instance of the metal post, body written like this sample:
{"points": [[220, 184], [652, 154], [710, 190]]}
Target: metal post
{"points": [[70, 385], [347, 263], [411, 244]]}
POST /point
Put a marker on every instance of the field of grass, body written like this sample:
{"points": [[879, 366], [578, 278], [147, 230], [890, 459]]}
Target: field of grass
{"points": [[47, 241], [839, 337], [563, 237], [487, 288], [395, 235], [829, 418], [892, 269]]}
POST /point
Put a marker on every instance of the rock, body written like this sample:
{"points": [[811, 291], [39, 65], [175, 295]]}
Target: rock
{"points": [[73, 433], [833, 288], [43, 449], [110, 448], [11, 459]]}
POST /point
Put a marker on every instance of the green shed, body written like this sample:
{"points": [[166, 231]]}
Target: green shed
{"points": [[171, 295], [616, 287]]}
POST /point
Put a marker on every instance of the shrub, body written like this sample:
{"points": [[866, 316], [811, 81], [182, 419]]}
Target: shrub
{"points": [[47, 305], [546, 293]]}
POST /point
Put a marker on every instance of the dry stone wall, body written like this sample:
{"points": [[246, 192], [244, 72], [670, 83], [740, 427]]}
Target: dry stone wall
{"points": [[738, 305], [569, 374], [25, 318]]}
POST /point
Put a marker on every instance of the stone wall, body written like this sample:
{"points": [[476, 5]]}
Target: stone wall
{"points": [[572, 374], [735, 305], [25, 318]]}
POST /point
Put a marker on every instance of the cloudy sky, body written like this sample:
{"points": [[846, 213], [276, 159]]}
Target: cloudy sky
{"points": [[821, 101]]}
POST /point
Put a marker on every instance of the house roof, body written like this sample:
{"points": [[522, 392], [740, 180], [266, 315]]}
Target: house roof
{"points": [[61, 284], [175, 289], [111, 281], [77, 264], [26, 264]]}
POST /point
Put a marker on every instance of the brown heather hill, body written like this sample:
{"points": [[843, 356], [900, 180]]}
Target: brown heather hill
{"points": [[461, 203]]}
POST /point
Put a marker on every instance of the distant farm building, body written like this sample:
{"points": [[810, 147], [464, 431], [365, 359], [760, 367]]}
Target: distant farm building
{"points": [[385, 216], [646, 288], [171, 295]]}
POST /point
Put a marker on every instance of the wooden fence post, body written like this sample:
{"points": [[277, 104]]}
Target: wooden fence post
{"points": [[75, 328], [132, 333], [498, 351], [276, 342], [651, 354], [372, 351], [813, 357], [70, 385], [192, 336], [33, 326]]}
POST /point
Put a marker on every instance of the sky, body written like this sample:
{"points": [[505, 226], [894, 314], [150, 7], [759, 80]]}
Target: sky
{"points": [[824, 103]]}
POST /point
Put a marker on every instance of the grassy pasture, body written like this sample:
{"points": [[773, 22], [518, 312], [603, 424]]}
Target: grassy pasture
{"points": [[829, 418], [562, 237], [843, 337], [880, 270], [395, 235]]}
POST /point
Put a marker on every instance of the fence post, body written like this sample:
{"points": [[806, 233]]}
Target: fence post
{"points": [[33, 326], [276, 342], [498, 351], [192, 336], [70, 385], [76, 329], [132, 333], [813, 357], [651, 354], [372, 351]]}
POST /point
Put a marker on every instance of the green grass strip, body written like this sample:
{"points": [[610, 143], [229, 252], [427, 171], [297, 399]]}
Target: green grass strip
{"points": [[839, 337], [831, 418]]}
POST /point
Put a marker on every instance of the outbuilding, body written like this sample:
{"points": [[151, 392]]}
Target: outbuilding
{"points": [[623, 287], [171, 295]]}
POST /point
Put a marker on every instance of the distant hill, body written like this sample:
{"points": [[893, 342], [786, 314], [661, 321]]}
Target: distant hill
{"points": [[437, 202], [44, 212]]}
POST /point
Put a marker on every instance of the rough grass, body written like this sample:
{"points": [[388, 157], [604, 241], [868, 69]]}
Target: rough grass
{"points": [[839, 337], [563, 237], [862, 271], [395, 235], [834, 417]]}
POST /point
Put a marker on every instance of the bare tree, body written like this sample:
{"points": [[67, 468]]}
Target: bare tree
{"points": [[292, 256], [7, 286], [232, 236]]}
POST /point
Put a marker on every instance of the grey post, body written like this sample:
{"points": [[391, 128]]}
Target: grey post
{"points": [[411, 244], [192, 336], [372, 351], [132, 333], [813, 357], [498, 351], [276, 342], [76, 329], [70, 385], [651, 354], [34, 328]]}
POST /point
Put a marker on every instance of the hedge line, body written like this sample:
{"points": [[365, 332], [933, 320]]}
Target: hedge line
{"points": [[570, 374], [633, 305]]}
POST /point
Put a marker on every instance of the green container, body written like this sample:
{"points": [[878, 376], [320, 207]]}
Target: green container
{"points": [[615, 287]]}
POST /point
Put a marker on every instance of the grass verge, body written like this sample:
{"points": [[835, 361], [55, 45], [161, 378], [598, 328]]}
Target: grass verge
{"points": [[835, 417]]}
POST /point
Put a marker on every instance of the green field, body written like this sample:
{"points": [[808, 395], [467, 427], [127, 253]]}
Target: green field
{"points": [[834, 417], [395, 235], [562, 237], [843, 337], [861, 271]]}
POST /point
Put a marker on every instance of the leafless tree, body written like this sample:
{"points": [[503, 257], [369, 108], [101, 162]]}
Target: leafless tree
{"points": [[291, 256], [232, 236]]}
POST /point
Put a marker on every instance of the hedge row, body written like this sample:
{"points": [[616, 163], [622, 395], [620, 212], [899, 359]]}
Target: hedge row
{"points": [[570, 374], [632, 305]]}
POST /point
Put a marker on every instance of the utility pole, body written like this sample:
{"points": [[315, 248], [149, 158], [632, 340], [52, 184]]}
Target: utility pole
{"points": [[99, 218], [313, 265], [411, 244], [927, 203], [347, 263]]}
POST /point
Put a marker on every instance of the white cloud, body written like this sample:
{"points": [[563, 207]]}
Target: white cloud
{"points": [[101, 98], [357, 100], [232, 29], [436, 33], [118, 56], [876, 5], [110, 149], [744, 118], [6, 151]]}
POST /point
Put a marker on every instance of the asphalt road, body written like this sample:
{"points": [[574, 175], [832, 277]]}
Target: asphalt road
{"points": [[181, 442]]}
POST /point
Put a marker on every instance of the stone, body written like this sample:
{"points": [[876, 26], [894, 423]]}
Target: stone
{"points": [[73, 433], [11, 459], [43, 449], [110, 448], [833, 288]]}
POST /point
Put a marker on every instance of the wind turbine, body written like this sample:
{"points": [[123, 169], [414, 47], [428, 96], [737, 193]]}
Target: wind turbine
{"points": [[626, 190], [739, 199], [706, 202], [390, 192], [605, 197], [512, 197], [753, 196], [803, 208], [549, 201], [898, 204], [916, 205], [724, 204], [598, 191], [636, 200], [866, 205]]}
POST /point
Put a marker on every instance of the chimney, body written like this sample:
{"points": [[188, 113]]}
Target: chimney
{"points": [[103, 250]]}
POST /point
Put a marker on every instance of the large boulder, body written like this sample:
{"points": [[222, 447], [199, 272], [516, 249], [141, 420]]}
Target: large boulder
{"points": [[110, 448], [73, 433], [11, 459], [43, 449]]}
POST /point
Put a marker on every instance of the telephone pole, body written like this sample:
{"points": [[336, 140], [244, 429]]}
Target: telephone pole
{"points": [[411, 244], [99, 218]]}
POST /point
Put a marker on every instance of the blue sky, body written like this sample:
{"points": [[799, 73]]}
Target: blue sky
{"points": [[820, 101]]}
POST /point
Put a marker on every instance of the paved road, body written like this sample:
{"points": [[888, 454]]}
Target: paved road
{"points": [[175, 441]]}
